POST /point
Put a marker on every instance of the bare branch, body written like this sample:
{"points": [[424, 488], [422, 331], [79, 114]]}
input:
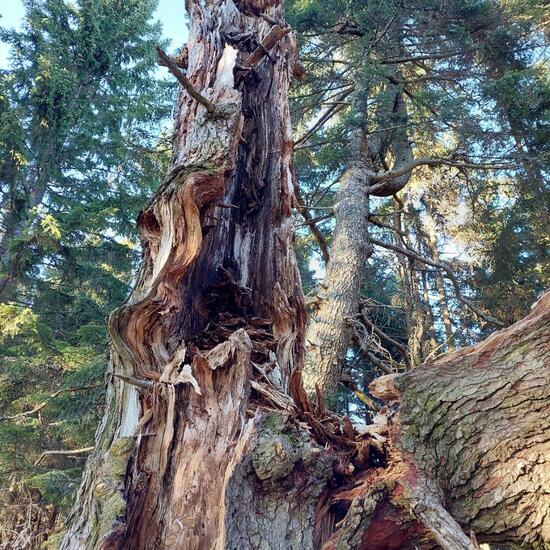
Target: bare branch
{"points": [[38, 407], [381, 334], [385, 30], [273, 36], [141, 384], [330, 112], [383, 225], [316, 220], [269, 19], [63, 452], [165, 60], [382, 187], [347, 381], [448, 273], [446, 531], [310, 222], [368, 343]]}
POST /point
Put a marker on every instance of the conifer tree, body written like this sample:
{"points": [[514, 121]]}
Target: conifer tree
{"points": [[81, 113]]}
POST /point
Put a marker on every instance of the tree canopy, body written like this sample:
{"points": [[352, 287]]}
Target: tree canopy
{"points": [[421, 196], [82, 146]]}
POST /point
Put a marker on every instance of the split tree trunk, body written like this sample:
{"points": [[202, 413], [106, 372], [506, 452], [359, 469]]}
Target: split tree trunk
{"points": [[181, 463], [201, 445]]}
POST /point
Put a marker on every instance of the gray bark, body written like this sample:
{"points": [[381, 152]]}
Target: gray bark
{"points": [[330, 327]]}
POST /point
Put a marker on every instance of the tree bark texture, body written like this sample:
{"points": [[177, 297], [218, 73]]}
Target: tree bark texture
{"points": [[185, 441], [330, 327], [470, 442]]}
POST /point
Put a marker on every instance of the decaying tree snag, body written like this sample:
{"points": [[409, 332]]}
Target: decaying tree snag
{"points": [[209, 439], [218, 297], [459, 454]]}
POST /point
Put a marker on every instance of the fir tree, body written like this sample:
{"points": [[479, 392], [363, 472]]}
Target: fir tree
{"points": [[81, 114]]}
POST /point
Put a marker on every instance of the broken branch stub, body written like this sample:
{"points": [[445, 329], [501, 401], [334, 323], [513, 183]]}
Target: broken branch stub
{"points": [[165, 61]]}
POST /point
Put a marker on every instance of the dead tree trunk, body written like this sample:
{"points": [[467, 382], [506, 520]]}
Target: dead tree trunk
{"points": [[187, 456], [201, 445]]}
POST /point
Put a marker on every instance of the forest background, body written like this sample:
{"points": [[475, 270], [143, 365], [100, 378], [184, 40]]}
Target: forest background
{"points": [[85, 140]]}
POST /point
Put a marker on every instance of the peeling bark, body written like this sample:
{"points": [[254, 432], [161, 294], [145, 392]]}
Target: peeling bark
{"points": [[218, 292]]}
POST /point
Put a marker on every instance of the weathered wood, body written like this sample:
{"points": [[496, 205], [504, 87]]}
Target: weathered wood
{"points": [[478, 421], [218, 291], [184, 81], [469, 447]]}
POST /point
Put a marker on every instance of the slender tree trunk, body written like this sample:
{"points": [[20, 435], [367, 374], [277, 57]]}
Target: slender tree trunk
{"points": [[25, 195], [417, 328], [430, 341], [330, 328], [439, 282], [13, 228], [416, 322]]}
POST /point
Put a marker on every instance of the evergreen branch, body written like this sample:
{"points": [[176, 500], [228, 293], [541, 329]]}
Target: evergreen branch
{"points": [[413, 58], [382, 187], [448, 273], [40, 406]]}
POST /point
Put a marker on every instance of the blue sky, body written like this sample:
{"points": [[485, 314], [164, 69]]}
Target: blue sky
{"points": [[171, 14]]}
